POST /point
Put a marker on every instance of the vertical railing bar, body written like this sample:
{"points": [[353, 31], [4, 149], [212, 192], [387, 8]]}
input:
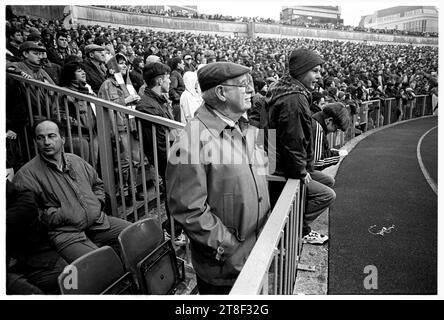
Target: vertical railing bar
{"points": [[275, 264], [281, 264], [39, 106], [156, 173], [171, 220], [302, 189], [389, 112], [295, 238], [57, 106], [265, 284], [68, 125], [92, 151], [378, 114], [106, 154], [286, 257], [113, 116], [28, 149], [31, 121], [79, 129], [291, 256], [142, 156], [132, 187], [48, 111]]}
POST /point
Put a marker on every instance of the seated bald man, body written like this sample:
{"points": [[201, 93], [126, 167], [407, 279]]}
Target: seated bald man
{"points": [[70, 196]]}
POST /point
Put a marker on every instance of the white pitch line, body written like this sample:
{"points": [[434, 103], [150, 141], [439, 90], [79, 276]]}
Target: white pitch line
{"points": [[421, 164]]}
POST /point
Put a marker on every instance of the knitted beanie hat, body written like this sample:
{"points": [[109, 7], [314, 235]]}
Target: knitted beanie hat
{"points": [[302, 60]]}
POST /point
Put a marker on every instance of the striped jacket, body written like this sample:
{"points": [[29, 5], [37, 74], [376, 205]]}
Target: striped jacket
{"points": [[323, 156]]}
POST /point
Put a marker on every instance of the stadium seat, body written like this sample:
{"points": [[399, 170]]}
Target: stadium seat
{"points": [[150, 259], [97, 272]]}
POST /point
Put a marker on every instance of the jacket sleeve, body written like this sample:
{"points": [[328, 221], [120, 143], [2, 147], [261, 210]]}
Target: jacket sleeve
{"points": [[97, 185], [49, 210], [294, 134], [187, 202]]}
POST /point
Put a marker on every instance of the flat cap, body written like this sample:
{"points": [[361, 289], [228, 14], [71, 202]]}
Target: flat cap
{"points": [[93, 47], [216, 73], [32, 45], [152, 58], [154, 69]]}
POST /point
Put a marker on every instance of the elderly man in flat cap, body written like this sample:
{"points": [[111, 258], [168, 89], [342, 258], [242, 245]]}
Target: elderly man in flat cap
{"points": [[215, 189], [94, 66], [289, 113]]}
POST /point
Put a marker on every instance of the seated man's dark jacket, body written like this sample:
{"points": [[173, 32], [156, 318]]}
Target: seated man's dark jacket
{"points": [[288, 105], [26, 237]]}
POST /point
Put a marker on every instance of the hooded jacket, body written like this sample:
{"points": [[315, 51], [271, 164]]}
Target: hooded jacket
{"points": [[288, 105], [190, 100]]}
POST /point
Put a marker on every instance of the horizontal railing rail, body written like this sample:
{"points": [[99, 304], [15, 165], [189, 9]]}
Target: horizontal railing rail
{"points": [[381, 112]]}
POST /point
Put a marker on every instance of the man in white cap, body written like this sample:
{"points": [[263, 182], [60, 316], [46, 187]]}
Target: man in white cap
{"points": [[289, 113], [221, 203]]}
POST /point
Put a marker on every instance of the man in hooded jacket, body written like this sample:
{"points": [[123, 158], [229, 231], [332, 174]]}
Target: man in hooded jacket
{"points": [[288, 103]]}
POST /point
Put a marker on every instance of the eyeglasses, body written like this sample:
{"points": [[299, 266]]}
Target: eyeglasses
{"points": [[241, 85], [187, 59]]}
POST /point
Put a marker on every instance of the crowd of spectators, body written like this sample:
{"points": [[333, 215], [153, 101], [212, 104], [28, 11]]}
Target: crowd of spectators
{"points": [[299, 23], [43, 50], [358, 71]]}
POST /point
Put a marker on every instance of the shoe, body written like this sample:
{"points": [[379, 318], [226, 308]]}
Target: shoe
{"points": [[179, 241], [314, 238]]}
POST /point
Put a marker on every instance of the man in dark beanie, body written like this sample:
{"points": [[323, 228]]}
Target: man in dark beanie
{"points": [[288, 102]]}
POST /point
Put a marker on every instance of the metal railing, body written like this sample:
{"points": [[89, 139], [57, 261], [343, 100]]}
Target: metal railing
{"points": [[271, 267], [272, 264], [377, 113], [50, 101]]}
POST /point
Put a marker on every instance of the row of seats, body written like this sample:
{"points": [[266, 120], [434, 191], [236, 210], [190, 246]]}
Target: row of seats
{"points": [[150, 265]]}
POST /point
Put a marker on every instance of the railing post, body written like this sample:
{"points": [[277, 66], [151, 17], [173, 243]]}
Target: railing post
{"points": [[378, 114], [106, 155], [389, 110]]}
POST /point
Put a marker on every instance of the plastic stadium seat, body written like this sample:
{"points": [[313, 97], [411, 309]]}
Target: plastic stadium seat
{"points": [[150, 259], [159, 272], [97, 272]]}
